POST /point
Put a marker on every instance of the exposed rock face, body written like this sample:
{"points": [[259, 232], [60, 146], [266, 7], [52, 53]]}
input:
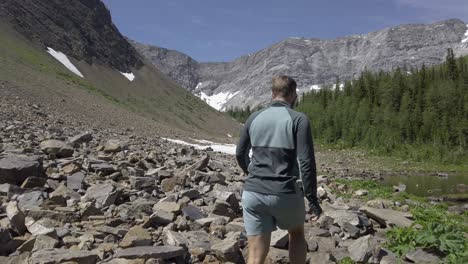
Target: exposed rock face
{"points": [[81, 29], [312, 61], [179, 67]]}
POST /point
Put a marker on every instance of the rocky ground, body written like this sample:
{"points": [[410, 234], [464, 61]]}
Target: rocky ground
{"points": [[78, 195]]}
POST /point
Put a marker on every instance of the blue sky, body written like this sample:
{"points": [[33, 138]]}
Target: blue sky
{"points": [[222, 30]]}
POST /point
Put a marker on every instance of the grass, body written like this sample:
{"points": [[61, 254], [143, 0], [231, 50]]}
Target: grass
{"points": [[375, 189], [442, 232], [151, 94]]}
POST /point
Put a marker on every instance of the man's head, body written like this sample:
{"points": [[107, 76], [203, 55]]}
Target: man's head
{"points": [[284, 89]]}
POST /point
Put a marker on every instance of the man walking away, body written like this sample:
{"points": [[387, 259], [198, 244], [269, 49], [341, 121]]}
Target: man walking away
{"points": [[281, 172]]}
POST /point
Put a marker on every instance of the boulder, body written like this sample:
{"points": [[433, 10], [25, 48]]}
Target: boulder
{"points": [[159, 218], [279, 238], [227, 251], [423, 257], [147, 252], [44, 242], [64, 255], [75, 181], [113, 146], [142, 182], [175, 239], [103, 194], [388, 217], [16, 169], [84, 137], [192, 212], [135, 237], [57, 147], [16, 217], [363, 249], [170, 207]]}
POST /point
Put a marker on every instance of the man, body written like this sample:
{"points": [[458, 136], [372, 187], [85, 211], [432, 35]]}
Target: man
{"points": [[281, 172]]}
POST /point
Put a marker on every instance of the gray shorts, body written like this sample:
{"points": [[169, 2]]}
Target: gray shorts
{"points": [[264, 212]]}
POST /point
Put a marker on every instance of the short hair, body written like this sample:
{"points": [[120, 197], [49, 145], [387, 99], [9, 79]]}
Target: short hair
{"points": [[283, 86]]}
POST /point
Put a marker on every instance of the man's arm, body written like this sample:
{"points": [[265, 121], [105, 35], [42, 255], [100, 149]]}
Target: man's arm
{"points": [[306, 160], [243, 148]]}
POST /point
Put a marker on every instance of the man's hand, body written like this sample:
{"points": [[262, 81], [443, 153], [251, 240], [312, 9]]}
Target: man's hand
{"points": [[315, 210]]}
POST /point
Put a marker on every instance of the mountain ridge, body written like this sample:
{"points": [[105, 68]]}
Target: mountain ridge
{"points": [[314, 62], [107, 66]]}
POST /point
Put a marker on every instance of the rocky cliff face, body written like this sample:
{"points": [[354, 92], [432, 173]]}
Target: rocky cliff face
{"points": [[246, 80], [82, 29]]}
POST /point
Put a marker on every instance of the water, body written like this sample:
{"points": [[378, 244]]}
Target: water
{"points": [[431, 185]]}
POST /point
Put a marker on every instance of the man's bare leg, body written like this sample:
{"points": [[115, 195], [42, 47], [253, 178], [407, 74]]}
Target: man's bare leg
{"points": [[297, 245], [258, 248]]}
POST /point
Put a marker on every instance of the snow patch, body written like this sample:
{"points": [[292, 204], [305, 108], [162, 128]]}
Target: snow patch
{"points": [[224, 148], [62, 58], [314, 87], [466, 36], [229, 135], [340, 87], [130, 76], [198, 85], [217, 101]]}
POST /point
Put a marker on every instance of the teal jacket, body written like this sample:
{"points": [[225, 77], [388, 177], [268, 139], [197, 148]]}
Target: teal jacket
{"points": [[282, 152]]}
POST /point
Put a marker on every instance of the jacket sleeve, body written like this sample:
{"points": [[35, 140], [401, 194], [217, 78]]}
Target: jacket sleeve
{"points": [[306, 159], [243, 148]]}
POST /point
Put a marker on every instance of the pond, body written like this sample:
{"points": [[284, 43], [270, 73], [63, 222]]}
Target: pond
{"points": [[451, 185]]}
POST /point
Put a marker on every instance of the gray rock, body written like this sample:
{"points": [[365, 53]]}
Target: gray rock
{"points": [[33, 182], [227, 250], [279, 238], [160, 218], [135, 237], [175, 239], [399, 188], [387, 217], [422, 257], [319, 258], [44, 242], [142, 182], [16, 169], [43, 226], [19, 259], [31, 200], [361, 192], [192, 212], [56, 147], [103, 194], [201, 163], [191, 194], [170, 207], [278, 256], [362, 249], [75, 181], [343, 216], [163, 252], [113, 146], [228, 197], [64, 255], [84, 137], [16, 217]]}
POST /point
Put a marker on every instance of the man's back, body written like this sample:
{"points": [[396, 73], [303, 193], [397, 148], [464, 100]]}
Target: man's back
{"points": [[282, 153], [272, 134]]}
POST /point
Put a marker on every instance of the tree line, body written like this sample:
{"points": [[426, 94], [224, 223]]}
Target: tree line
{"points": [[419, 113]]}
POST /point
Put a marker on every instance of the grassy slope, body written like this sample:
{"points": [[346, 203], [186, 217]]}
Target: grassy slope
{"points": [[151, 94]]}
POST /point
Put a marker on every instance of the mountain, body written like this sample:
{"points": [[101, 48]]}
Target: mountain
{"points": [[70, 51], [312, 62]]}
